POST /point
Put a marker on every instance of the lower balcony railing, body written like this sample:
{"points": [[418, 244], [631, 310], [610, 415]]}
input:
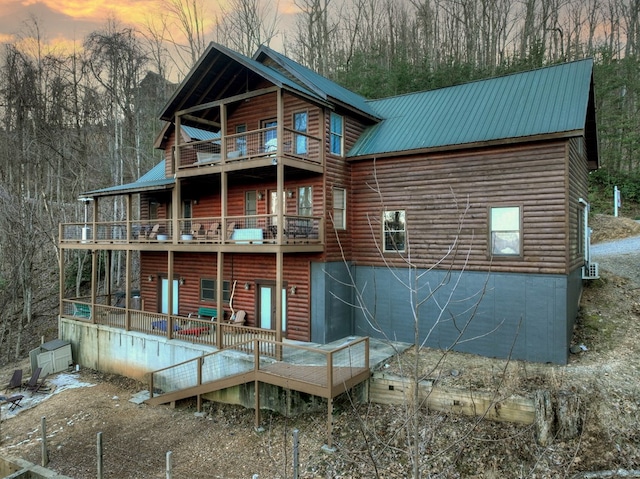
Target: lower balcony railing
{"points": [[255, 229], [195, 330]]}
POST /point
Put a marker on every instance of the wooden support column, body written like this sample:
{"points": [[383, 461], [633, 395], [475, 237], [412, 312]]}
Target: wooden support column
{"points": [[94, 281], [282, 202], [169, 293], [176, 147], [219, 280], [176, 209], [223, 131], [127, 266]]}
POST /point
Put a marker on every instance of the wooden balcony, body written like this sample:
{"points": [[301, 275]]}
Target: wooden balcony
{"points": [[250, 150], [191, 329], [253, 231]]}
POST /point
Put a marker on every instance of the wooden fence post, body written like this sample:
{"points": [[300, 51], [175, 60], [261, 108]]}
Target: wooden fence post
{"points": [[99, 451], [44, 459]]}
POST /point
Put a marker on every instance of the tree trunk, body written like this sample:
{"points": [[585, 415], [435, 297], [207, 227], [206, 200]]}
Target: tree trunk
{"points": [[569, 414], [544, 417]]}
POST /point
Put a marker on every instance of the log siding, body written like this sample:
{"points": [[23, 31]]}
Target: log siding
{"points": [[447, 199]]}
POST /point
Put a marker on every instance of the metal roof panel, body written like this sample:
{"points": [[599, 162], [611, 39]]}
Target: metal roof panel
{"points": [[544, 101]]}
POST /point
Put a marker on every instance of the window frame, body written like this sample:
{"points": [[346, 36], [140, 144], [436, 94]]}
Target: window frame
{"points": [[305, 200], [226, 293], [491, 231], [241, 141], [388, 233], [334, 134], [341, 209], [300, 140]]}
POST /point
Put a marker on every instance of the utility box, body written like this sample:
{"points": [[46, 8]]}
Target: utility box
{"points": [[52, 357]]}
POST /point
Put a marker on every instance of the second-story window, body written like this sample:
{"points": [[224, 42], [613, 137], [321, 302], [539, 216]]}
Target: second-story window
{"points": [[337, 134], [300, 124], [153, 210], [395, 230], [305, 201], [241, 141], [270, 135], [339, 208]]}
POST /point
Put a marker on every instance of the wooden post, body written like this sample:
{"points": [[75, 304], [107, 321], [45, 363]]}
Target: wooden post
{"points": [[295, 454], [44, 460], [99, 453], [544, 417]]}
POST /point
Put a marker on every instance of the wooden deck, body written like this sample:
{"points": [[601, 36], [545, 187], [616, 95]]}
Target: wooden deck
{"points": [[309, 370]]}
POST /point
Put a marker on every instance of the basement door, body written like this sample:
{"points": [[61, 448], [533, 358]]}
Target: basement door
{"points": [[164, 296], [267, 306]]}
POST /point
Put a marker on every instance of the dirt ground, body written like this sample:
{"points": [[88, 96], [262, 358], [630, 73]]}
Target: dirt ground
{"points": [[370, 440]]}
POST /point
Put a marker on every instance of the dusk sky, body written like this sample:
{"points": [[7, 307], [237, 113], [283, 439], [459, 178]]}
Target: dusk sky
{"points": [[69, 21]]}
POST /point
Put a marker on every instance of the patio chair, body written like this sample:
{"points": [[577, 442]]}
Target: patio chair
{"points": [[41, 386], [32, 383], [213, 232], [154, 232], [237, 319], [230, 227], [12, 401], [195, 231], [16, 380]]}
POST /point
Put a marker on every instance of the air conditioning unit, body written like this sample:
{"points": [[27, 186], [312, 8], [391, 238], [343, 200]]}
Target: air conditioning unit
{"points": [[590, 271]]}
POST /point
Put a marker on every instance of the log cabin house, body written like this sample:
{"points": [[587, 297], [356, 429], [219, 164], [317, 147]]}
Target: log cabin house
{"points": [[455, 216]]}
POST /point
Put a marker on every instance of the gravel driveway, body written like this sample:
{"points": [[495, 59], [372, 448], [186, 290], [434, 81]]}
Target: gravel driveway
{"points": [[621, 257]]}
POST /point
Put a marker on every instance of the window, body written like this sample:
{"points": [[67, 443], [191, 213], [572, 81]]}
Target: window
{"points": [[153, 210], [187, 209], [305, 201], [270, 136], [250, 208], [241, 141], [337, 133], [395, 230], [208, 290], [505, 231], [300, 124], [339, 208]]}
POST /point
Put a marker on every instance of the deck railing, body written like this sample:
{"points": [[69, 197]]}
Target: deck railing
{"points": [[324, 373], [248, 229], [185, 328], [261, 143]]}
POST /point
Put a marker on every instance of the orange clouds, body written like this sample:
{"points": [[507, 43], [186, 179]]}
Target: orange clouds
{"points": [[99, 10]]}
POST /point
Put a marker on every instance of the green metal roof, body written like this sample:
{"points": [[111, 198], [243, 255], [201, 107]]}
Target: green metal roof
{"points": [[322, 86], [545, 101], [154, 179]]}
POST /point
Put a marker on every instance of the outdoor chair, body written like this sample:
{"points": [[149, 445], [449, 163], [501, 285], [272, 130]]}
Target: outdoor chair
{"points": [[237, 319], [32, 383], [12, 401], [41, 386], [154, 232], [16, 380]]}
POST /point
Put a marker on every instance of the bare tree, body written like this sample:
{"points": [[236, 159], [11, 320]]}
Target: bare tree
{"points": [[185, 28], [246, 24]]}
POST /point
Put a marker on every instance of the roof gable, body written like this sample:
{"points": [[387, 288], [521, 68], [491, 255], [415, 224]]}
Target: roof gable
{"points": [[549, 100], [322, 86]]}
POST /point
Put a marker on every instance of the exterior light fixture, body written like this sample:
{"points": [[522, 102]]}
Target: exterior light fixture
{"points": [[247, 286], [150, 278], [181, 281], [292, 290], [259, 195], [289, 193]]}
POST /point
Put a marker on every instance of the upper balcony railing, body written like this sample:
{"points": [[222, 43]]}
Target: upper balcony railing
{"points": [[262, 143], [241, 230]]}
